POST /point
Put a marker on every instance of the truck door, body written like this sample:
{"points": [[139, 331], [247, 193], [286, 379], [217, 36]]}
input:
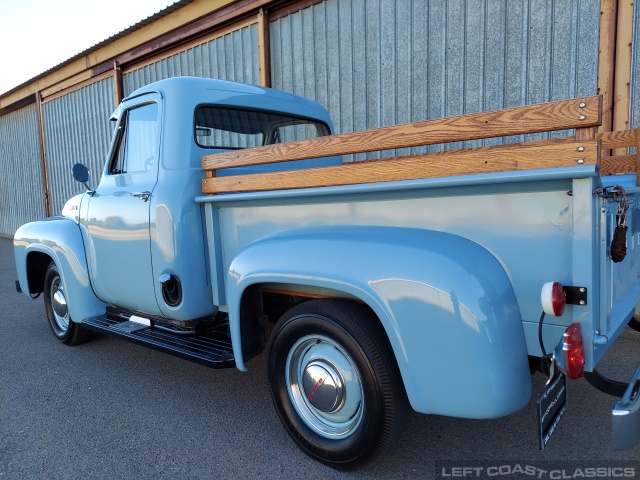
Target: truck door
{"points": [[117, 219]]}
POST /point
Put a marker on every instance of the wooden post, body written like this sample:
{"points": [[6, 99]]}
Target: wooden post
{"points": [[264, 51], [43, 155], [624, 36], [606, 60], [118, 89], [585, 134]]}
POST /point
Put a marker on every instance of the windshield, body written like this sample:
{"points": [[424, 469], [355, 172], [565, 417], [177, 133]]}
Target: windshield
{"points": [[232, 128]]}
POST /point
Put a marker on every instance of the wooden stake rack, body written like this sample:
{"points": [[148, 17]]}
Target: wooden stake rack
{"points": [[584, 148]]}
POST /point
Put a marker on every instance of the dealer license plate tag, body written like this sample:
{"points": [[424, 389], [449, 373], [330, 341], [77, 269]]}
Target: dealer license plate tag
{"points": [[552, 403]]}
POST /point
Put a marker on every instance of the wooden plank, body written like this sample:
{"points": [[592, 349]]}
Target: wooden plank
{"points": [[637, 155], [624, 36], [606, 60], [68, 84], [18, 105], [77, 86], [500, 158], [577, 113], [618, 164], [620, 139]]}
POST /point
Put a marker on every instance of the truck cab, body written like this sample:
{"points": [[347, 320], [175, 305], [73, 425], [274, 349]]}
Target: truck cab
{"points": [[140, 224]]}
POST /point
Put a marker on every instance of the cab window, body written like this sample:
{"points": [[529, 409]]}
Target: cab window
{"points": [[136, 142], [232, 128]]}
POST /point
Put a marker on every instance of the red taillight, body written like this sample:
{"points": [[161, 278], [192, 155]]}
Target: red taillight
{"points": [[553, 299], [573, 351]]}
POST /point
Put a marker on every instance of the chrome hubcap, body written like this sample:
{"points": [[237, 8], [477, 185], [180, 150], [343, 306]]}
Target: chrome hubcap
{"points": [[324, 386], [59, 305]]}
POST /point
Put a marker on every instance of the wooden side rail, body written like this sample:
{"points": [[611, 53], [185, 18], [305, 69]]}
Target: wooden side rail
{"points": [[621, 139], [545, 117], [499, 158], [623, 163], [581, 114]]}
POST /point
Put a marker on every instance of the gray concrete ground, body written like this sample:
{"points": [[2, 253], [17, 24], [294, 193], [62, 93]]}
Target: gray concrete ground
{"points": [[112, 410]]}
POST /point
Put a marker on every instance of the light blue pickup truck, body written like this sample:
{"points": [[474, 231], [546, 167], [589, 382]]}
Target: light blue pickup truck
{"points": [[439, 280]]}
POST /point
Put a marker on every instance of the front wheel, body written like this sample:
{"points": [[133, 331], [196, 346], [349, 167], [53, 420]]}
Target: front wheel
{"points": [[335, 382], [55, 304]]}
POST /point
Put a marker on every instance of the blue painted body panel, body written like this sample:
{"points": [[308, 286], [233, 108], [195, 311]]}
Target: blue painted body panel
{"points": [[526, 220], [60, 239], [445, 303], [176, 221]]}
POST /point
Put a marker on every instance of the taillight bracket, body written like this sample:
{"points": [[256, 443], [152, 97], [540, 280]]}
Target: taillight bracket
{"points": [[575, 295]]}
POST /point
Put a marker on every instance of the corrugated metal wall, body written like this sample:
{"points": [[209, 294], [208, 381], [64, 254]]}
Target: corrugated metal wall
{"points": [[231, 57], [77, 130], [21, 190], [370, 62], [634, 107], [379, 62]]}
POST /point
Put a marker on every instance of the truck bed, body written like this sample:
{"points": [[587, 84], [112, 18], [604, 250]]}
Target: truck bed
{"points": [[530, 204]]}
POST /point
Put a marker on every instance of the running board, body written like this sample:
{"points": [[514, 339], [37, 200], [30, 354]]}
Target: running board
{"points": [[210, 348]]}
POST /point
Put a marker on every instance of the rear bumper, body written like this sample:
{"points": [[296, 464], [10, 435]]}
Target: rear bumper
{"points": [[625, 433]]}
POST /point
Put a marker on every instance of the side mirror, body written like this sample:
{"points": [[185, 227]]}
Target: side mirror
{"points": [[81, 174]]}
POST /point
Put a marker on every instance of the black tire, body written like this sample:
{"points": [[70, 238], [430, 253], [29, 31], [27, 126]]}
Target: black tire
{"points": [[347, 426], [65, 329], [635, 323]]}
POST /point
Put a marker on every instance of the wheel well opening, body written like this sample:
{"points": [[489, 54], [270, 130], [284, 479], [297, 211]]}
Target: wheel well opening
{"points": [[262, 306], [37, 264]]}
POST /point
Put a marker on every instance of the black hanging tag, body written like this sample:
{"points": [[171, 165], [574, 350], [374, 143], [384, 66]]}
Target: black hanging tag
{"points": [[618, 248], [619, 244]]}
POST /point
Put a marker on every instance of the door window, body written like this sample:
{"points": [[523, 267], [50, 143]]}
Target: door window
{"points": [[137, 146]]}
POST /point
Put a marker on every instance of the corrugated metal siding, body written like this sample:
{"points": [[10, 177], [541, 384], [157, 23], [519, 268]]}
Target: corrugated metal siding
{"points": [[231, 57], [375, 63], [21, 192], [77, 130], [634, 107]]}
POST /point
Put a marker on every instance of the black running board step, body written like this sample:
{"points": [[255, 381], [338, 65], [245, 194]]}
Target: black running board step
{"points": [[212, 349]]}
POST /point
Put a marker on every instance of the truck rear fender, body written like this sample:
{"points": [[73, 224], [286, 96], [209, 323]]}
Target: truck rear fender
{"points": [[445, 303], [59, 240]]}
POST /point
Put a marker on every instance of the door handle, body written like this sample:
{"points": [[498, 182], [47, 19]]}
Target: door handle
{"points": [[144, 196]]}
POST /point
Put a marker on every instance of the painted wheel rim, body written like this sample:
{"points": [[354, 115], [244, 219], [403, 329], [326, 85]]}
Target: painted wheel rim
{"points": [[324, 386]]}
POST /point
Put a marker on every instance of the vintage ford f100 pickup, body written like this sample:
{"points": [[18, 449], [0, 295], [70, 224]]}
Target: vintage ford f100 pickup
{"points": [[435, 278]]}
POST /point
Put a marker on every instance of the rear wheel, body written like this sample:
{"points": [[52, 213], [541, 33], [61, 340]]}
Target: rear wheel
{"points": [[335, 382], [55, 303], [635, 323]]}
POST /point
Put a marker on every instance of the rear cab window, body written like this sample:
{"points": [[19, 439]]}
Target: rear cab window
{"points": [[227, 128]]}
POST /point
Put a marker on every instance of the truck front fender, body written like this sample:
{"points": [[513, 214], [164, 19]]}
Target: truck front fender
{"points": [[446, 304], [60, 240]]}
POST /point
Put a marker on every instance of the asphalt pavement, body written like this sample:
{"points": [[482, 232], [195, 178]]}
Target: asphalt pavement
{"points": [[111, 410]]}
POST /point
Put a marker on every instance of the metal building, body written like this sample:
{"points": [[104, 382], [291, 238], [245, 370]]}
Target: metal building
{"points": [[370, 62]]}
